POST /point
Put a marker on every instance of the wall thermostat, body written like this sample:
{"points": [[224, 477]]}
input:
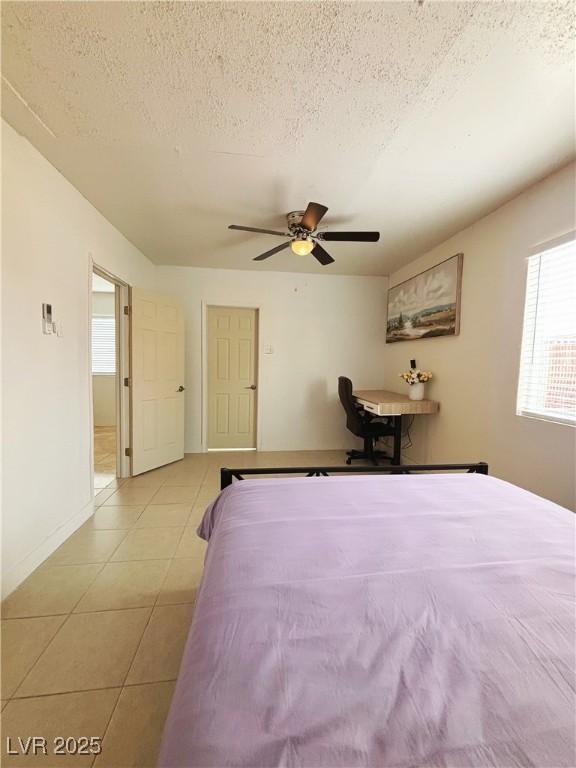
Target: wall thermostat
{"points": [[47, 323]]}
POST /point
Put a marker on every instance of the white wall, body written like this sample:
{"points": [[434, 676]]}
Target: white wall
{"points": [[49, 232], [320, 326], [104, 387], [476, 373], [104, 403]]}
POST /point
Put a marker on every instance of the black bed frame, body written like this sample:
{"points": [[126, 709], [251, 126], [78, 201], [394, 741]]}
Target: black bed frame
{"points": [[227, 476]]}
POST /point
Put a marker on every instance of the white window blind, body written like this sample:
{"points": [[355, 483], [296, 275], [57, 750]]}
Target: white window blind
{"points": [[547, 384], [103, 345]]}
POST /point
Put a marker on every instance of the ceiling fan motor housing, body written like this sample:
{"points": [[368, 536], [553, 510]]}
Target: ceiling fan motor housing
{"points": [[293, 219]]}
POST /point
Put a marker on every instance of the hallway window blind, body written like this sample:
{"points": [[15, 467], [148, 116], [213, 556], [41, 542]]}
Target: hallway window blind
{"points": [[103, 345], [547, 383]]}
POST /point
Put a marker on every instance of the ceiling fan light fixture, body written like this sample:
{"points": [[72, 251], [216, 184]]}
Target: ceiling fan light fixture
{"points": [[302, 247], [303, 238]]}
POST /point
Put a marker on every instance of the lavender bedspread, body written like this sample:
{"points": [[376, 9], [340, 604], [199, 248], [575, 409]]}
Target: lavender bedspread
{"points": [[380, 621]]}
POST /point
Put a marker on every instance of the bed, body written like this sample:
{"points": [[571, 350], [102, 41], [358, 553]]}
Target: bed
{"points": [[379, 620]]}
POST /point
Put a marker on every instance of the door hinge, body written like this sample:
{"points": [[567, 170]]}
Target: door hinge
{"points": [[127, 451], [127, 382], [126, 310]]}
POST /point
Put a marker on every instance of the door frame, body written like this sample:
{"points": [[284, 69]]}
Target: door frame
{"points": [[123, 298], [204, 366]]}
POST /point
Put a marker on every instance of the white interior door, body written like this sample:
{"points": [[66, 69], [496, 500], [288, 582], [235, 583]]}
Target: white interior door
{"points": [[157, 341], [232, 353]]}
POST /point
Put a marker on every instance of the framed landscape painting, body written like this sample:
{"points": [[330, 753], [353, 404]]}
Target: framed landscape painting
{"points": [[426, 305]]}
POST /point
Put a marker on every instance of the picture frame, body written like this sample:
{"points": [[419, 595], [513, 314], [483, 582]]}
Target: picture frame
{"points": [[426, 305]]}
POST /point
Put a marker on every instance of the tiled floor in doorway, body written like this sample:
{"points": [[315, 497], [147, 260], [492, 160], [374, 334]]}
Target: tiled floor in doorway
{"points": [[92, 640], [104, 456]]}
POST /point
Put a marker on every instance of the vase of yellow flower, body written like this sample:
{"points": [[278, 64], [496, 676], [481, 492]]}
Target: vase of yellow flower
{"points": [[416, 380]]}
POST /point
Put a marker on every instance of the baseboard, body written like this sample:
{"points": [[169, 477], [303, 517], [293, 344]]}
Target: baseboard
{"points": [[16, 575], [351, 443]]}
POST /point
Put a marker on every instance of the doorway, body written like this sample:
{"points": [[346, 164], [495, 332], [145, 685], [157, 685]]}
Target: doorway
{"points": [[104, 380], [232, 386], [109, 337]]}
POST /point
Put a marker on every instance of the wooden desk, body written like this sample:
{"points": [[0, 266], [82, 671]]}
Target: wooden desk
{"points": [[382, 402]]}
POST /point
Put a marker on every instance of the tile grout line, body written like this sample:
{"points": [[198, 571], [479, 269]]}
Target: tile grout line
{"points": [[120, 687], [108, 687], [55, 616], [110, 561], [84, 613], [60, 628], [174, 557], [102, 565], [123, 685], [154, 606], [105, 729]]}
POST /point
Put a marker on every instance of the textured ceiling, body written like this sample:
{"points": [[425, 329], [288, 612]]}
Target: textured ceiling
{"points": [[176, 119]]}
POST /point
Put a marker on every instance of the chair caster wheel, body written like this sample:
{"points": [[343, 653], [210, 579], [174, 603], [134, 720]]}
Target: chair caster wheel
{"points": [[348, 461]]}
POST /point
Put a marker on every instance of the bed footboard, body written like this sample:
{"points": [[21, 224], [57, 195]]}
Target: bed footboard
{"points": [[227, 476]]}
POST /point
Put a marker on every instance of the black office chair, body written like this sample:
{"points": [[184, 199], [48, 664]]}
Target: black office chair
{"points": [[362, 424]]}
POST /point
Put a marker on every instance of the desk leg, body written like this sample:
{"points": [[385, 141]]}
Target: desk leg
{"points": [[397, 440]]}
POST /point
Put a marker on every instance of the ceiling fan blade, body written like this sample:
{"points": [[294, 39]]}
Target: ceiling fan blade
{"points": [[312, 216], [272, 251], [255, 229], [323, 256], [359, 237]]}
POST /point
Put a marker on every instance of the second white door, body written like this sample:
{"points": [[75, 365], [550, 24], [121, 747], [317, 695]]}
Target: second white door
{"points": [[232, 386]]}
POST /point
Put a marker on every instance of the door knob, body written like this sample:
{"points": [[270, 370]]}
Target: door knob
{"points": [[252, 386], [181, 388]]}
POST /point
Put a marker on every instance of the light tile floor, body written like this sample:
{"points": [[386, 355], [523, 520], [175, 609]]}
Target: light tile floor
{"points": [[92, 640], [104, 456]]}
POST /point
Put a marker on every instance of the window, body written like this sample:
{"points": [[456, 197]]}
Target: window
{"points": [[547, 384], [103, 345]]}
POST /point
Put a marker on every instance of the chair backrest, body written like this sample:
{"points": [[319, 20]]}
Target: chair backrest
{"points": [[354, 420]]}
